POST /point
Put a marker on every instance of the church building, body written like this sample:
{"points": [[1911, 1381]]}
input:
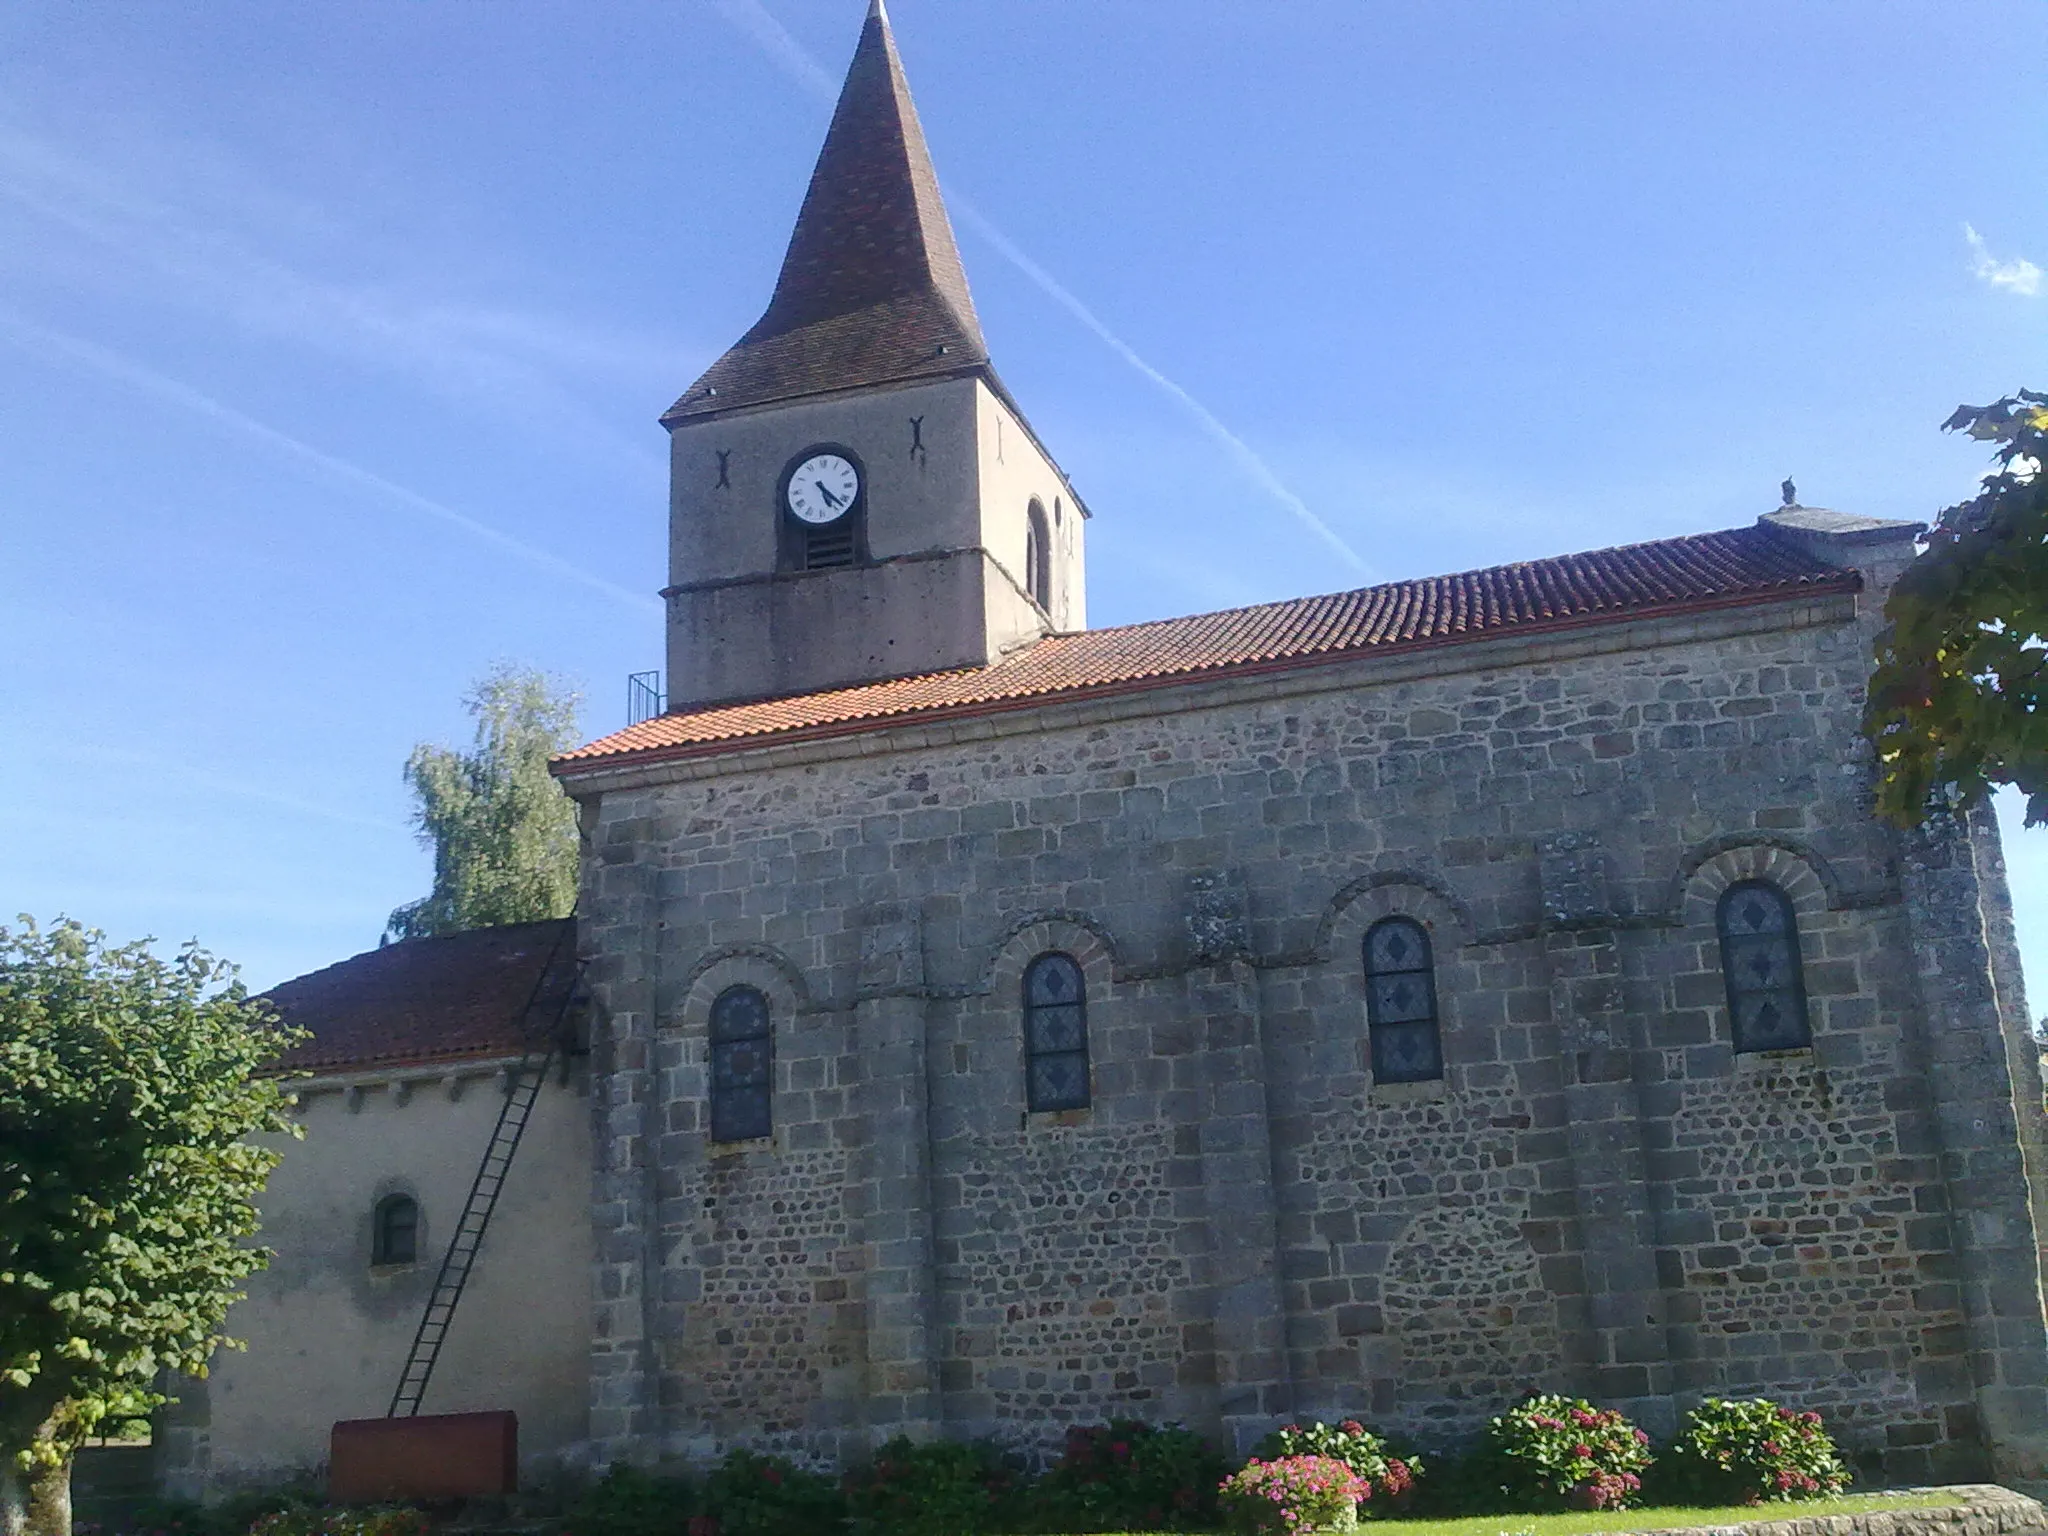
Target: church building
{"points": [[1369, 1005]]}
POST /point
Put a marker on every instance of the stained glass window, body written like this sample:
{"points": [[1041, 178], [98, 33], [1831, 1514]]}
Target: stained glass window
{"points": [[742, 1065], [1400, 1003], [395, 1230], [1760, 962], [1055, 1034]]}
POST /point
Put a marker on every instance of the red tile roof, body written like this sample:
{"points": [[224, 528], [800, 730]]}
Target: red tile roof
{"points": [[871, 289], [432, 1000], [1707, 570]]}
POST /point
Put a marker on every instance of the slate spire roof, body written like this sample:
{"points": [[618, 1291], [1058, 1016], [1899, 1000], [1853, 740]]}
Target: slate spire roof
{"points": [[871, 289]]}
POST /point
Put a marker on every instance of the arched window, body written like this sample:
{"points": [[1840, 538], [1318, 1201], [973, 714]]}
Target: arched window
{"points": [[1055, 1034], [395, 1231], [1400, 1002], [1760, 963], [1038, 556], [742, 1065]]}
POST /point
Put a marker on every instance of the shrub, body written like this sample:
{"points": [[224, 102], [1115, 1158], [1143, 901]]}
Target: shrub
{"points": [[232, 1516], [1751, 1450], [1129, 1476], [1292, 1495], [1388, 1479], [1550, 1450], [627, 1501], [945, 1488], [749, 1494], [342, 1520]]}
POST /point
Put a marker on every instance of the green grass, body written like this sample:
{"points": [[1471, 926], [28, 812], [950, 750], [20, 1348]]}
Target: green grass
{"points": [[1661, 1517], [1665, 1517]]}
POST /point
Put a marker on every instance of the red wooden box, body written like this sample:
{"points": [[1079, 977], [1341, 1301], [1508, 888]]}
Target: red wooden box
{"points": [[433, 1456]]}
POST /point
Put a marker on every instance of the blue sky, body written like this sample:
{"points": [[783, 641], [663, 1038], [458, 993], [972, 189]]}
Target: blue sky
{"points": [[332, 341]]}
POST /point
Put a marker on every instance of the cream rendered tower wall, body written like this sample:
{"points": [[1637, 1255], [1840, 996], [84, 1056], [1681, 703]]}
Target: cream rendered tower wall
{"points": [[869, 349]]}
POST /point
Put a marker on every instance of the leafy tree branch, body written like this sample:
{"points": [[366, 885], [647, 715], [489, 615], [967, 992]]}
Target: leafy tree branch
{"points": [[1959, 699], [130, 1091]]}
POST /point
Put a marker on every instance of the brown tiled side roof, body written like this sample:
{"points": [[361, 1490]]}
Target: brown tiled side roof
{"points": [[1707, 570], [431, 1000], [871, 289]]}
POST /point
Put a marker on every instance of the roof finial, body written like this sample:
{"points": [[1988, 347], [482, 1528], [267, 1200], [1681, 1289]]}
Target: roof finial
{"points": [[877, 13], [1788, 490]]}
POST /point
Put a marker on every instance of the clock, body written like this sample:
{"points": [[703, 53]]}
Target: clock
{"points": [[822, 489]]}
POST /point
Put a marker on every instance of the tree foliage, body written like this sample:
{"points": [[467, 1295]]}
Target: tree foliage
{"points": [[128, 1180], [502, 831], [1959, 700]]}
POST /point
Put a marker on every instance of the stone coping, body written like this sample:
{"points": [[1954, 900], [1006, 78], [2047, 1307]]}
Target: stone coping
{"points": [[1985, 1509]]}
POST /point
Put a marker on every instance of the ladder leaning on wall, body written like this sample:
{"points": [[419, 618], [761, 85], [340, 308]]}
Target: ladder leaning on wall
{"points": [[522, 1088]]}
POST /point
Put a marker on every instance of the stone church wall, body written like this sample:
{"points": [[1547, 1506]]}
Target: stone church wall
{"points": [[1242, 1226]]}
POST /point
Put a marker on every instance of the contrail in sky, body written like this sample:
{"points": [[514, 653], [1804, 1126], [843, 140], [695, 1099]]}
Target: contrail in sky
{"points": [[71, 349], [754, 19]]}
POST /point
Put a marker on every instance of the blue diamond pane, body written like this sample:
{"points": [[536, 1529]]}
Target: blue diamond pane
{"points": [[1770, 1021], [1058, 1082], [1396, 945], [1405, 1053], [1761, 964], [1754, 909], [1057, 1029], [1052, 979], [1398, 1000]]}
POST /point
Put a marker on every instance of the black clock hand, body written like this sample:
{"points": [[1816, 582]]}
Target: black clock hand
{"points": [[830, 499]]}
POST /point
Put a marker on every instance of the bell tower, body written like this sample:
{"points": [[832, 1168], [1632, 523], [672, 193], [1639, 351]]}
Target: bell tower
{"points": [[854, 496]]}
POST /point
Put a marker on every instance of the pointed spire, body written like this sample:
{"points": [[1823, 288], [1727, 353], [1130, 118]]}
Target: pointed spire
{"points": [[871, 289]]}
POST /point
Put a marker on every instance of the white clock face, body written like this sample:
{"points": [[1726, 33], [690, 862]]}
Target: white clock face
{"points": [[822, 488]]}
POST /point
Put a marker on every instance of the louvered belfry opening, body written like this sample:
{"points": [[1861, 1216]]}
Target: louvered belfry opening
{"points": [[827, 548]]}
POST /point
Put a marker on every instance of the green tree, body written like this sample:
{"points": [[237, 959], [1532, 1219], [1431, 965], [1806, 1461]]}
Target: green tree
{"points": [[502, 831], [128, 1182], [1959, 700]]}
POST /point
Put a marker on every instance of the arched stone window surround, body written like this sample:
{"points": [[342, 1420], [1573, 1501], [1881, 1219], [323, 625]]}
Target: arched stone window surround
{"points": [[1388, 893], [1802, 882], [1709, 868], [683, 1044], [397, 1228], [1091, 951], [1341, 946], [1038, 555]]}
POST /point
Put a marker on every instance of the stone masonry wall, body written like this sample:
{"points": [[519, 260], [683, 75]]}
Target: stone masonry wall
{"points": [[1598, 1196]]}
